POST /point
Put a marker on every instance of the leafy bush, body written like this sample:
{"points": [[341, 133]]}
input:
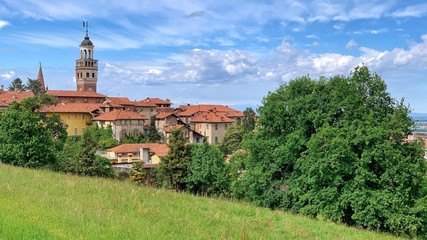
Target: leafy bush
{"points": [[206, 171]]}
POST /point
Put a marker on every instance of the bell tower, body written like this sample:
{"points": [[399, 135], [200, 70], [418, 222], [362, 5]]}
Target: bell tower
{"points": [[86, 65]]}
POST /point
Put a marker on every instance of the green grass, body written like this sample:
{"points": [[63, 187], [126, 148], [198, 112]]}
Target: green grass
{"points": [[37, 204]]}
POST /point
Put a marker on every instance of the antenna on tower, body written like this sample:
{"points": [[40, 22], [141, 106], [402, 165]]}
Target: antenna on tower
{"points": [[86, 24]]}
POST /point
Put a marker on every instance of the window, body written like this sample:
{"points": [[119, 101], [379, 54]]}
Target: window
{"points": [[76, 116], [216, 139], [216, 126], [68, 115], [87, 74], [93, 75], [83, 116], [75, 131], [226, 126]]}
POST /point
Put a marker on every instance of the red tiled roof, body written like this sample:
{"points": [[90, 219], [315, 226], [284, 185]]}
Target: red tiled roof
{"points": [[211, 117], [7, 97], [164, 115], [192, 110], [71, 108], [119, 115], [144, 103], [158, 101], [70, 93], [121, 101], [165, 109], [160, 150], [168, 129]]}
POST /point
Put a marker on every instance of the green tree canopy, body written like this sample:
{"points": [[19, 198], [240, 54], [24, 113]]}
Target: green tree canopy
{"points": [[173, 166], [29, 138], [336, 148], [87, 162], [206, 171], [17, 85], [249, 120], [34, 86], [153, 135], [232, 139]]}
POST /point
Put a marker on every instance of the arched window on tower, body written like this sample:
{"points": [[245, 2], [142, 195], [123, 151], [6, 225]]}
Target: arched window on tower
{"points": [[93, 75], [90, 54], [85, 54]]}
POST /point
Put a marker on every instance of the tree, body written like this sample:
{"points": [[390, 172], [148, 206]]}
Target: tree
{"points": [[34, 86], [173, 166], [104, 137], [232, 139], [249, 120], [17, 85], [153, 135], [29, 138], [336, 148], [206, 171], [88, 163]]}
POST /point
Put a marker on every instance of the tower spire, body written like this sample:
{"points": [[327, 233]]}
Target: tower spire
{"points": [[86, 24], [86, 65], [40, 77]]}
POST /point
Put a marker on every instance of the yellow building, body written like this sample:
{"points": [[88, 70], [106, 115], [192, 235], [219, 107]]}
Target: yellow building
{"points": [[77, 116]]}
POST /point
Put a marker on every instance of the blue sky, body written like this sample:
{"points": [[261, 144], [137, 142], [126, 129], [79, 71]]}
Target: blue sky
{"points": [[227, 52]]}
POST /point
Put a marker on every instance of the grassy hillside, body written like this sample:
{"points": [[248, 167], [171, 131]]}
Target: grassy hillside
{"points": [[37, 204]]}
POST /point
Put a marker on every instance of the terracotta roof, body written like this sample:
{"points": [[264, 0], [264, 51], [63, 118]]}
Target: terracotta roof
{"points": [[168, 129], [211, 117], [71, 108], [192, 110], [158, 101], [69, 93], [7, 97], [164, 115], [119, 115], [144, 103], [165, 109], [160, 150], [121, 101]]}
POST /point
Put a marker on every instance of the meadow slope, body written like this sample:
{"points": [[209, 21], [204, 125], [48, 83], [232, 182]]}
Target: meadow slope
{"points": [[38, 204]]}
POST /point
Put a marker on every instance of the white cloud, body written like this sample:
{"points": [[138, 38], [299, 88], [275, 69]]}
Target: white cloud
{"points": [[8, 75], [3, 23], [418, 10], [286, 62], [312, 36], [351, 44]]}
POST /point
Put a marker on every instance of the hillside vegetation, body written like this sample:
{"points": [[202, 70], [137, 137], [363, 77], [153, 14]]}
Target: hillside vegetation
{"points": [[37, 204]]}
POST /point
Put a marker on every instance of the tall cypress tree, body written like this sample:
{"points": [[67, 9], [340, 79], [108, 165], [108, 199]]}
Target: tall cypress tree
{"points": [[173, 166]]}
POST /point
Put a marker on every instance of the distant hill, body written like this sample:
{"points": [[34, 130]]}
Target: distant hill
{"points": [[38, 204]]}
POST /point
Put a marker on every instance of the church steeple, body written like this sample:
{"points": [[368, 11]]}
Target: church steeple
{"points": [[40, 78], [86, 65]]}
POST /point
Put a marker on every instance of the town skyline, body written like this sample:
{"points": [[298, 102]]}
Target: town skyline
{"points": [[216, 52]]}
